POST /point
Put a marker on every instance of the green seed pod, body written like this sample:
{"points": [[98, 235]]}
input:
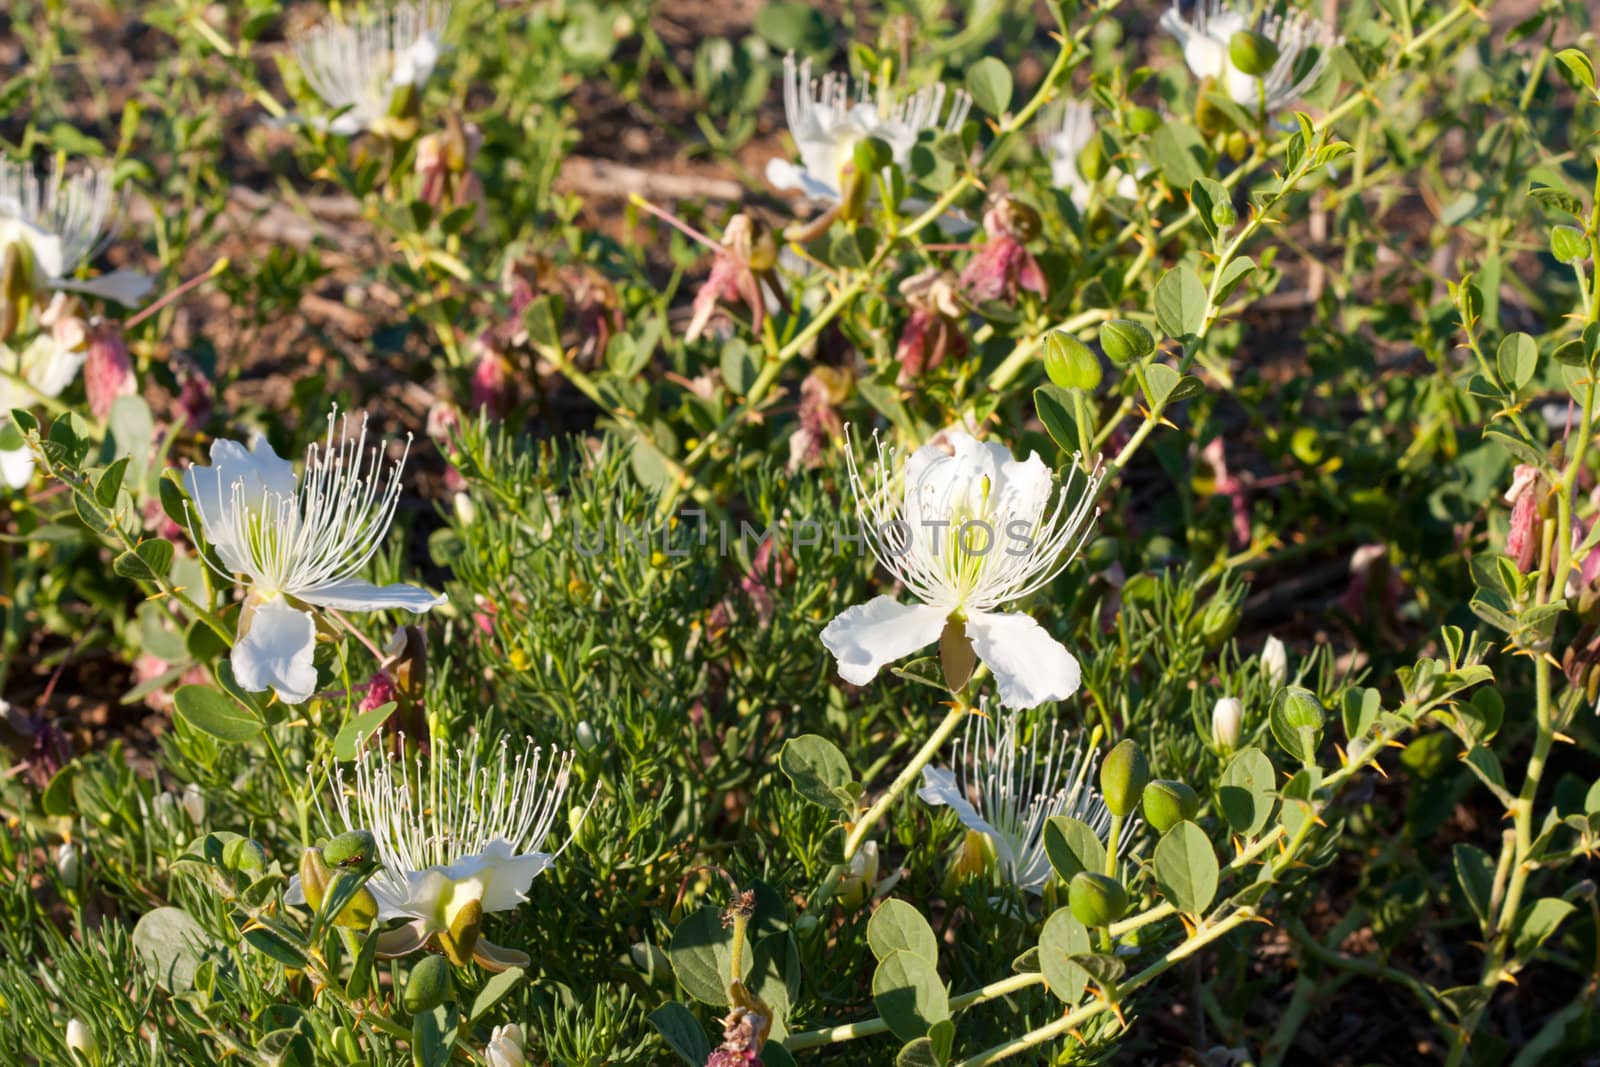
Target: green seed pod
{"points": [[429, 985], [1252, 53], [1223, 214], [362, 909], [1069, 363], [1167, 803], [315, 874], [1143, 119], [1096, 899], [345, 1044], [1092, 160], [352, 849], [1122, 777], [244, 854], [1126, 341]]}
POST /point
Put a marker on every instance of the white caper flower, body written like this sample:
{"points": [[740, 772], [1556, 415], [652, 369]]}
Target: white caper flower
{"points": [[966, 529], [451, 835], [1303, 46], [1066, 145], [360, 67], [828, 115], [298, 543], [81, 1041], [63, 220], [1004, 791]]}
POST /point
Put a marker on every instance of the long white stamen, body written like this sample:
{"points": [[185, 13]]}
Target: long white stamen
{"points": [[355, 64], [75, 208]]}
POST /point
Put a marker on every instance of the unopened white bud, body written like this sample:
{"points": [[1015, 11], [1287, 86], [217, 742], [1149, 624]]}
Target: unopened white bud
{"points": [[505, 1047], [80, 1039], [1227, 717], [194, 803], [69, 865], [1275, 661]]}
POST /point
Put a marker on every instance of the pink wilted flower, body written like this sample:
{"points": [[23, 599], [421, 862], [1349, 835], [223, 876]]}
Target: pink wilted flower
{"points": [[444, 167], [933, 330], [1374, 591], [1524, 496], [1230, 486], [819, 423], [380, 691], [492, 388], [742, 1032], [746, 255], [108, 371], [1004, 267]]}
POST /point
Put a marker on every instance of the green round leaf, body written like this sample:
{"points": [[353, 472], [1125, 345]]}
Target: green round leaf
{"points": [[1062, 938], [899, 927], [702, 956], [214, 713], [1246, 794], [1186, 868], [989, 83], [1180, 302], [909, 995]]}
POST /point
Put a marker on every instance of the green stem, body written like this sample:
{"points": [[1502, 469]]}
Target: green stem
{"points": [[830, 1035], [930, 748]]}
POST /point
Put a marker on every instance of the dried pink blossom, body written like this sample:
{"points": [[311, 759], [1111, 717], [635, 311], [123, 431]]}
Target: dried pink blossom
{"points": [[1524, 496], [932, 331], [745, 255], [1232, 487], [1004, 267], [108, 370]]}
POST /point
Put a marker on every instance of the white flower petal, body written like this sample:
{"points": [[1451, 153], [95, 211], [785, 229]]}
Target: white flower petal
{"points": [[296, 893], [126, 287], [16, 467], [275, 652], [49, 367], [1029, 666], [49, 255], [404, 940], [939, 788], [354, 594], [504, 875], [237, 477], [866, 637]]}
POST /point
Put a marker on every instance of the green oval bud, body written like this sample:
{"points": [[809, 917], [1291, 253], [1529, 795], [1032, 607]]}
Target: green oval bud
{"points": [[244, 854], [1143, 119], [1069, 363], [1092, 160], [1218, 622], [351, 849], [1253, 53], [1167, 803], [1126, 341], [1096, 899], [344, 1043], [429, 985], [315, 874], [1237, 145], [1223, 214], [1123, 776]]}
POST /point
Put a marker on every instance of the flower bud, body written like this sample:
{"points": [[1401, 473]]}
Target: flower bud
{"points": [[1143, 119], [350, 849], [1092, 160], [1096, 899], [971, 860], [243, 854], [1123, 775], [108, 370], [193, 803], [1069, 363], [69, 865], [1126, 341], [80, 1040], [1167, 803], [1274, 661], [1223, 213], [315, 874], [588, 739], [1218, 621], [1227, 716], [861, 876], [505, 1047], [429, 985], [1252, 53]]}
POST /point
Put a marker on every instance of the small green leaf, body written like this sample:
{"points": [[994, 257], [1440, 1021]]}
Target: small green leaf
{"points": [[147, 561], [212, 713], [909, 995], [1062, 938], [899, 927], [359, 728], [1536, 923], [1072, 846], [1517, 359], [702, 956], [1180, 303], [1475, 875], [989, 83], [1579, 68], [818, 771], [682, 1032], [1186, 868], [1245, 795], [171, 944], [110, 483], [1052, 403]]}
